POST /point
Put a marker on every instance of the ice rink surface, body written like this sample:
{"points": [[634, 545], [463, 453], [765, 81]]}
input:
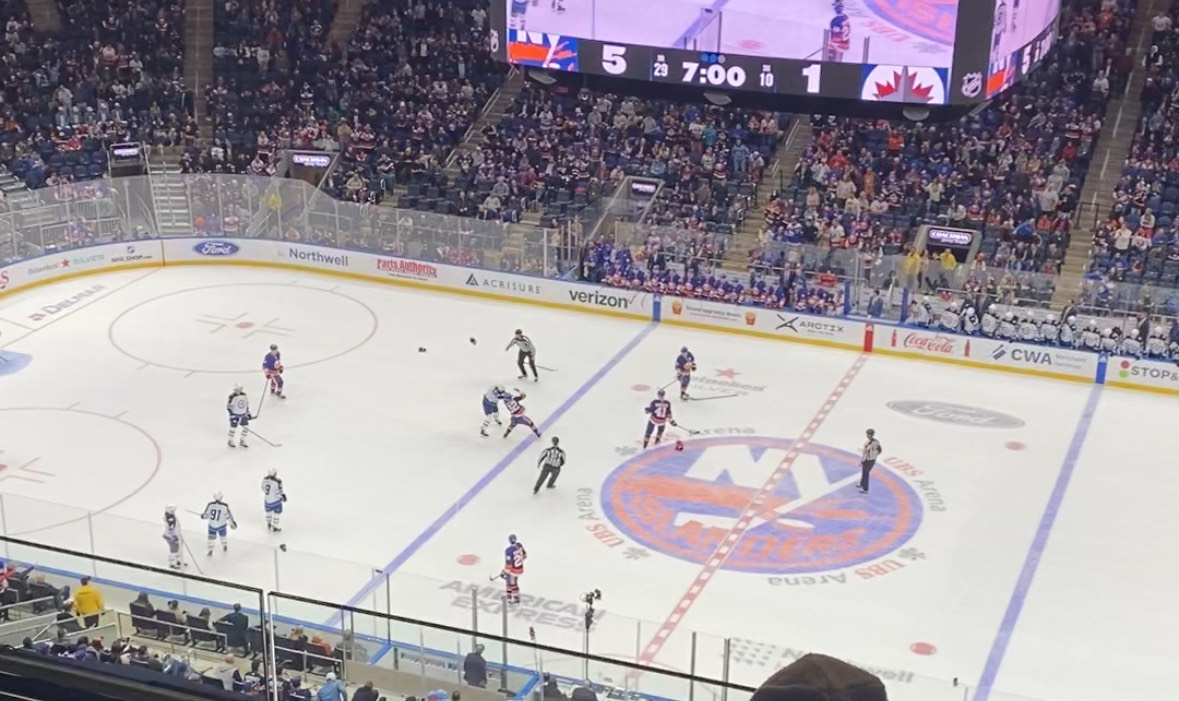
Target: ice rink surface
{"points": [[1021, 543], [900, 32]]}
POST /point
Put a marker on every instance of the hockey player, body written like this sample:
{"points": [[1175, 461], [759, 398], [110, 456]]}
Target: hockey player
{"points": [[920, 312], [272, 366], [518, 417], [514, 556], [527, 351], [1130, 345], [491, 400], [1068, 333], [519, 14], [990, 323], [658, 416], [173, 537], [1090, 338], [950, 319], [238, 407], [1156, 345], [273, 497], [969, 321], [219, 516], [1049, 331], [1007, 328], [839, 34], [685, 364], [1029, 329], [1109, 342]]}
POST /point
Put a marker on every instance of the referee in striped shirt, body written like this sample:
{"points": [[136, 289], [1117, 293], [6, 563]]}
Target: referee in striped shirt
{"points": [[527, 352], [868, 458], [550, 463]]}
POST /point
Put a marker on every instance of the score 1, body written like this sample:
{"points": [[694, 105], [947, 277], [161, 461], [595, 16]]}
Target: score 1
{"points": [[814, 76]]}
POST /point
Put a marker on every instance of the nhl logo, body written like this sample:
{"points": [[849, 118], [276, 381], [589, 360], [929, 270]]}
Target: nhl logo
{"points": [[971, 85]]}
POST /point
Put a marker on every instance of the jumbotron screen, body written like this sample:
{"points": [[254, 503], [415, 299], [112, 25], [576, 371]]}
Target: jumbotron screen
{"points": [[922, 52]]}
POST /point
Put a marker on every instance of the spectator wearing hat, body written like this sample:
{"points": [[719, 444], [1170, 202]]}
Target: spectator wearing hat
{"points": [[332, 690], [88, 603]]}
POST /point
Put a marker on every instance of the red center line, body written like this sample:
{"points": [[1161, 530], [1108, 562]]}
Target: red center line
{"points": [[755, 506]]}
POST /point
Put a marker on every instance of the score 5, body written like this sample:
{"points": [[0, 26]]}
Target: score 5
{"points": [[614, 59]]}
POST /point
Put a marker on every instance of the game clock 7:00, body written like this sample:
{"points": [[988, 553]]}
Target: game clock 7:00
{"points": [[901, 51]]}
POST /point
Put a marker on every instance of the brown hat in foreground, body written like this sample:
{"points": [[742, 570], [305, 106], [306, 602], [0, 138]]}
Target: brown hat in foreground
{"points": [[821, 678]]}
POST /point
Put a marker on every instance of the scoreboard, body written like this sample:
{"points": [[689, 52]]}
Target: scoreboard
{"points": [[907, 52]]}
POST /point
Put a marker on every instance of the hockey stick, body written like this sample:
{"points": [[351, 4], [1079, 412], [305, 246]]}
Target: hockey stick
{"points": [[265, 387], [498, 575], [191, 556], [690, 431], [263, 439], [669, 384], [541, 367], [719, 396]]}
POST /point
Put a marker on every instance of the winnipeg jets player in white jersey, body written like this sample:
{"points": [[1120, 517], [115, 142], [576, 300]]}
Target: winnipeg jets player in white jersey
{"points": [[1049, 330], [1109, 342], [1029, 329], [219, 516], [969, 321], [1090, 338], [920, 312], [491, 400], [1156, 345], [1130, 345], [1007, 327], [173, 537], [1068, 333], [990, 323], [950, 319], [273, 498]]}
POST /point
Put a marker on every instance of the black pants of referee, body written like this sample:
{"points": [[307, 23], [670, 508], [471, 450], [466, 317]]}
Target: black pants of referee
{"points": [[520, 358], [865, 468], [547, 472]]}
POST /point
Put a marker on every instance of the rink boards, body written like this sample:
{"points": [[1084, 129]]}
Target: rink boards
{"points": [[782, 325]]}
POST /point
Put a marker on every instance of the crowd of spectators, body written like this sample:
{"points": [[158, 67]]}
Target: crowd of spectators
{"points": [[394, 104], [1137, 243], [1014, 172], [113, 73]]}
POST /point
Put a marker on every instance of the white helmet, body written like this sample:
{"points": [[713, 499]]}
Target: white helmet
{"points": [[1093, 323], [1051, 318], [272, 472], [1158, 330], [1133, 333], [953, 306], [1009, 316], [1106, 333], [170, 509], [237, 388], [1072, 320], [217, 496], [499, 388]]}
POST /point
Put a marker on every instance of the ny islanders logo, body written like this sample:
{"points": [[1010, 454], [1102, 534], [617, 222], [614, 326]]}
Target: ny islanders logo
{"points": [[811, 520]]}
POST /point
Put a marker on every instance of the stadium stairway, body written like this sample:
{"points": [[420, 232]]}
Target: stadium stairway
{"points": [[779, 171], [493, 112], [198, 60], [45, 15], [1117, 135], [344, 22]]}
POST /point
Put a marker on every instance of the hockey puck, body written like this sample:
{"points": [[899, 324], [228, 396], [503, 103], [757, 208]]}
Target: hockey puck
{"points": [[421, 349], [472, 340], [283, 547]]}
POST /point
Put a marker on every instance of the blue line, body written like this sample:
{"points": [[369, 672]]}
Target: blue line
{"points": [[699, 23], [496, 471], [1024, 584]]}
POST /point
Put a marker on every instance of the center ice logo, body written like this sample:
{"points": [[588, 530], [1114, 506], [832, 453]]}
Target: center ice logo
{"points": [[683, 503], [935, 20]]}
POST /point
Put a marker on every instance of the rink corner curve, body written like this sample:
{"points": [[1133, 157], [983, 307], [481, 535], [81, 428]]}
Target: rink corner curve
{"points": [[843, 333]]}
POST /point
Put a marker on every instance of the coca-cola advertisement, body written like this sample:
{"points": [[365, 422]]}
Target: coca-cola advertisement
{"points": [[926, 343]]}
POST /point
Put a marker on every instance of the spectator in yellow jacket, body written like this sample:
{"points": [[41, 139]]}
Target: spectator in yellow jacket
{"points": [[88, 603]]}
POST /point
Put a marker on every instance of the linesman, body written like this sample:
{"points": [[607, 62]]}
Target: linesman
{"points": [[550, 463], [868, 457], [527, 351]]}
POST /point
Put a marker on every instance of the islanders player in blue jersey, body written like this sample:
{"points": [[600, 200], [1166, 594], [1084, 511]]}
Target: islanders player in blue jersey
{"points": [[516, 409], [658, 416], [839, 31], [272, 366], [491, 400], [519, 13], [514, 556], [685, 364]]}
